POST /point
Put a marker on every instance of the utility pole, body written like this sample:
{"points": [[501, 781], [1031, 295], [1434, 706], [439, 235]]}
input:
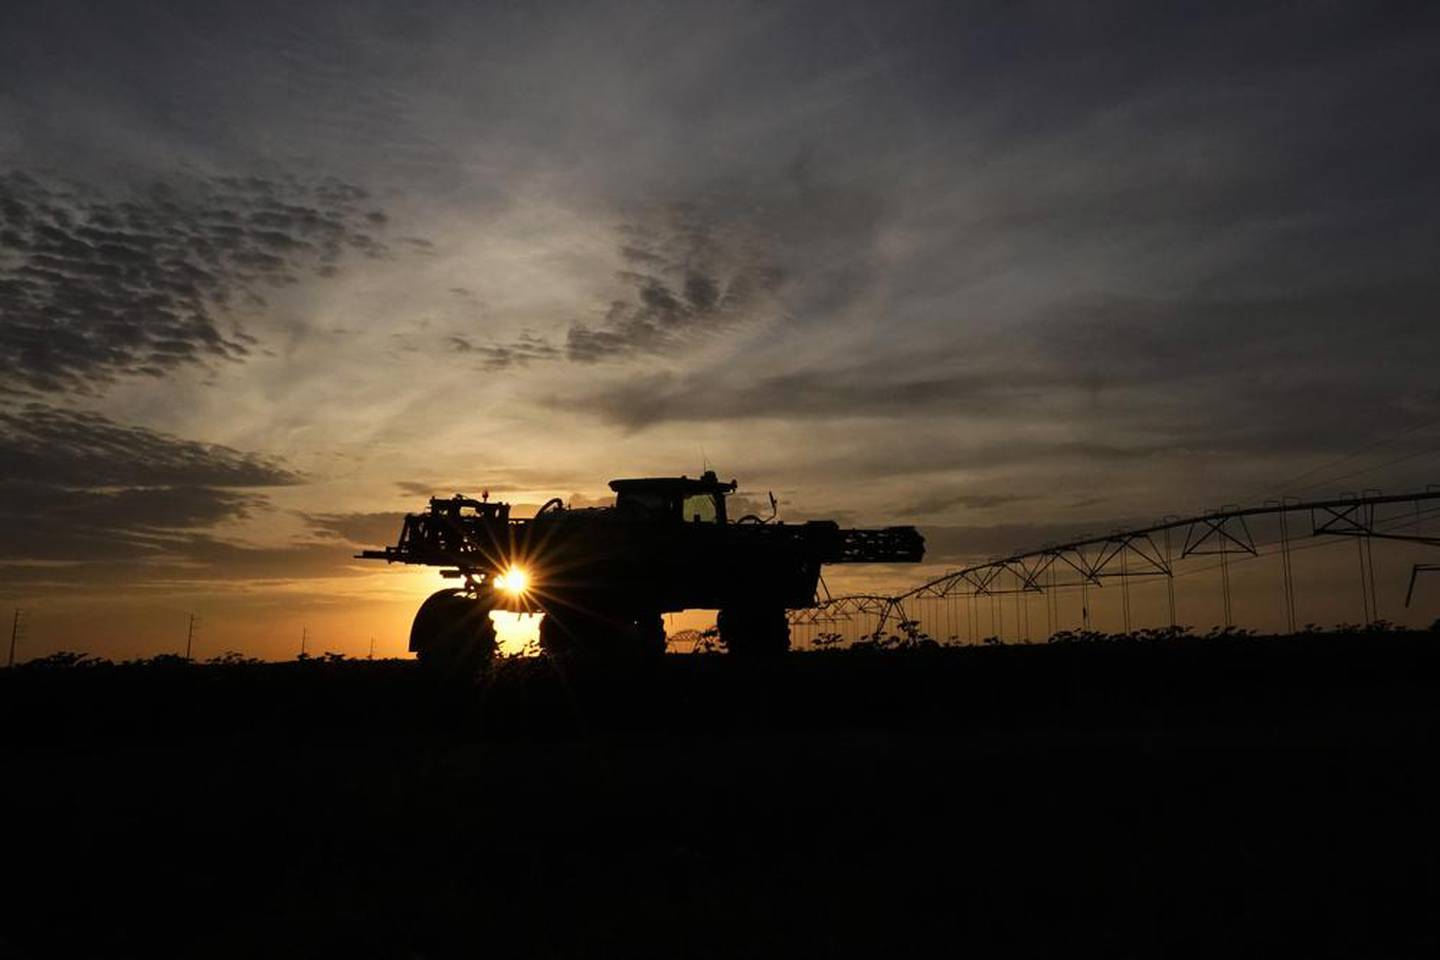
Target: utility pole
{"points": [[190, 636], [14, 636], [371, 654], [304, 639]]}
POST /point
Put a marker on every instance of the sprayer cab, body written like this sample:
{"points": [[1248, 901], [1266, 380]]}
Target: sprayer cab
{"points": [[662, 499]]}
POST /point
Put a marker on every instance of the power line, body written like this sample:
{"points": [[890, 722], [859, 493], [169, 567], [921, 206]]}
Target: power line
{"points": [[1379, 466], [1283, 487]]}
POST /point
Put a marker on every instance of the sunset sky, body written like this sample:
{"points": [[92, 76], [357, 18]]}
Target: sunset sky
{"points": [[272, 273]]}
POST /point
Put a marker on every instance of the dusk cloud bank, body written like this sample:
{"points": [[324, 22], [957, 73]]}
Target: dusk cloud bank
{"points": [[98, 499], [99, 285]]}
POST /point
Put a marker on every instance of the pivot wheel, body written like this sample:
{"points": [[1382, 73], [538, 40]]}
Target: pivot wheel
{"points": [[754, 631], [452, 636]]}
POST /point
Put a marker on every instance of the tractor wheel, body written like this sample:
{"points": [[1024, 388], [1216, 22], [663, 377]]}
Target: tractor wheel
{"points": [[563, 636], [573, 634], [452, 636], [553, 641], [754, 631], [650, 632]]}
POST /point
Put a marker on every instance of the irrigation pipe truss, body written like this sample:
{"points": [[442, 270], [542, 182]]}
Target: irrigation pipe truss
{"points": [[1150, 552]]}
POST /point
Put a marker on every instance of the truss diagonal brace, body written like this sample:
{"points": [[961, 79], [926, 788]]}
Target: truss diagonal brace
{"points": [[1215, 529]]}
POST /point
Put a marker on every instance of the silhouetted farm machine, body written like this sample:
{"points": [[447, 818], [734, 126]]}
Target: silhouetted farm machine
{"points": [[604, 576]]}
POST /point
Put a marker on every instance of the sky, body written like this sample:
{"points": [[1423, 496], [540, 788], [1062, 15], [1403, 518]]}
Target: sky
{"points": [[273, 273]]}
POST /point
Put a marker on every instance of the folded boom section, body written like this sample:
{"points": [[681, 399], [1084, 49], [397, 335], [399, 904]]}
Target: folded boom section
{"points": [[885, 545]]}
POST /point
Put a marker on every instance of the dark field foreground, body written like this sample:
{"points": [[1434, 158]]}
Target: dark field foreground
{"points": [[1268, 796]]}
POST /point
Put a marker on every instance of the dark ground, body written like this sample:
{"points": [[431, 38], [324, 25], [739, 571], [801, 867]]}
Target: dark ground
{"points": [[1240, 796]]}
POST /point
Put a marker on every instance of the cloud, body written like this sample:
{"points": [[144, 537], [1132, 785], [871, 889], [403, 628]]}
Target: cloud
{"points": [[361, 529], [521, 352], [690, 272], [78, 488], [62, 448], [941, 501], [95, 287], [499, 481], [1326, 332], [955, 544], [645, 400], [1131, 374], [132, 526]]}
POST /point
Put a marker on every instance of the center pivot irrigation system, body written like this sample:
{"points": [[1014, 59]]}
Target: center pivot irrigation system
{"points": [[1148, 552]]}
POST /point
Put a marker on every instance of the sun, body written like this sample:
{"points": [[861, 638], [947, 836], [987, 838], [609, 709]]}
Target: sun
{"points": [[514, 581]]}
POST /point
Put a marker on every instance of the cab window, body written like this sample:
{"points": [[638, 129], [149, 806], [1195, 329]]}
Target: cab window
{"points": [[650, 507], [699, 508]]}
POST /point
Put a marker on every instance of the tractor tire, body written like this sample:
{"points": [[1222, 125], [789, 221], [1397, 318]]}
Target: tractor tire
{"points": [[565, 636], [754, 631], [452, 637], [650, 634], [554, 642], [571, 635]]}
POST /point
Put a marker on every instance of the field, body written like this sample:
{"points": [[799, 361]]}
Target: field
{"points": [[1256, 796]]}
